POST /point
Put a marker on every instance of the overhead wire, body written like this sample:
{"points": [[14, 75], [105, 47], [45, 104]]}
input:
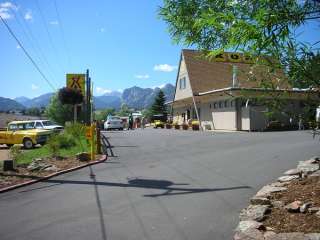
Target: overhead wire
{"points": [[49, 35], [26, 53], [66, 48], [34, 43]]}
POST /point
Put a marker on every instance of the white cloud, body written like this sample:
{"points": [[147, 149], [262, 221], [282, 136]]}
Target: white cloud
{"points": [[120, 90], [54, 22], [101, 90], [161, 86], [164, 68], [28, 16], [102, 30], [143, 76], [5, 8], [18, 47], [34, 87]]}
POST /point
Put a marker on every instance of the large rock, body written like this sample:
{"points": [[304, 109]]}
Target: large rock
{"points": [[292, 172], [245, 225], [287, 236], [250, 234], [294, 206], [307, 167], [267, 190], [52, 168], [287, 178], [313, 236], [315, 174], [38, 165], [254, 212], [260, 201]]}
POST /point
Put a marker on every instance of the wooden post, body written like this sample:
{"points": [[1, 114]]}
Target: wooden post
{"points": [[98, 138]]}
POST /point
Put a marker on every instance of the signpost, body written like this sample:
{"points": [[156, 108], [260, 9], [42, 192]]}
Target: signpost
{"points": [[82, 82]]}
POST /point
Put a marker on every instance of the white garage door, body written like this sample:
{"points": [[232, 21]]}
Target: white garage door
{"points": [[224, 120]]}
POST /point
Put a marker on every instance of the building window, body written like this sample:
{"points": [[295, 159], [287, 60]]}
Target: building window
{"points": [[226, 103], [215, 105], [182, 83], [220, 104], [232, 103]]}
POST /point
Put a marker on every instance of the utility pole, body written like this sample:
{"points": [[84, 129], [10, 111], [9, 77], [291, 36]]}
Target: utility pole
{"points": [[88, 99]]}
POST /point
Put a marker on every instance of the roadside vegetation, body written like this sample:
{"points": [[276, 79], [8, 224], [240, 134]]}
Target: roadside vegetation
{"points": [[65, 144]]}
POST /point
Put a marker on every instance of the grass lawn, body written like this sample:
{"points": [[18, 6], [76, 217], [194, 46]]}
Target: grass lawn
{"points": [[40, 152]]}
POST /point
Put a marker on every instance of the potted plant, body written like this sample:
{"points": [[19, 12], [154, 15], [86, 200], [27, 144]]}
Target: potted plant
{"points": [[176, 125], [168, 125], [195, 125], [185, 126]]}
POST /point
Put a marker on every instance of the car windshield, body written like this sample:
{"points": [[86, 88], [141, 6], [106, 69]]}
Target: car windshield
{"points": [[47, 123]]}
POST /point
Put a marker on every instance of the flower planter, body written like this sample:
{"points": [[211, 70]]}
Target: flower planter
{"points": [[195, 127], [168, 126], [185, 126], [176, 126]]}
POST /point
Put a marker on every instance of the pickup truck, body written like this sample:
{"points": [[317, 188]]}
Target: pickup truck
{"points": [[23, 132]]}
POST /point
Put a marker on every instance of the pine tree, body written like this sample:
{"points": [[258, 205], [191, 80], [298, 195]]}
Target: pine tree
{"points": [[159, 107]]}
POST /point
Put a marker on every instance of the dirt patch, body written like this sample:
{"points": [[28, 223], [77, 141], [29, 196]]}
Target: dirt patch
{"points": [[22, 174], [307, 190]]}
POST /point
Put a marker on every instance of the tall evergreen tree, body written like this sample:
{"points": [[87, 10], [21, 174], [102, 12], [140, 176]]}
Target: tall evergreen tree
{"points": [[159, 107]]}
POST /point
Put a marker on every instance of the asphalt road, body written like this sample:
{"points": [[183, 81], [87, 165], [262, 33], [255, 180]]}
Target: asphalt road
{"points": [[159, 184]]}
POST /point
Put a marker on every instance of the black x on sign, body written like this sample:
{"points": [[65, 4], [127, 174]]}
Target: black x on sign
{"points": [[76, 81]]}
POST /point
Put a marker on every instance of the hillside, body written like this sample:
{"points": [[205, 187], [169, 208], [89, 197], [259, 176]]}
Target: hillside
{"points": [[7, 104], [134, 97]]}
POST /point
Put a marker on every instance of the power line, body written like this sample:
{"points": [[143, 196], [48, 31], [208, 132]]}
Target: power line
{"points": [[48, 34], [26, 53], [62, 32], [34, 44]]}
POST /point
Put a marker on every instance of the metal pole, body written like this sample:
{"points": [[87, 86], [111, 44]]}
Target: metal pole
{"points": [[88, 98], [195, 107]]}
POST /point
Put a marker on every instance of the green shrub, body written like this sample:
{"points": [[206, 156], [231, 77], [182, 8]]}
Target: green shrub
{"points": [[66, 141], [53, 145], [14, 153]]}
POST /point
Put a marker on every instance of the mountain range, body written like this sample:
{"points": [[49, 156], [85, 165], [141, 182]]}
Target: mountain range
{"points": [[135, 97]]}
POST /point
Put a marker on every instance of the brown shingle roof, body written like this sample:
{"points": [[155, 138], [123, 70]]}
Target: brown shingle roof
{"points": [[206, 75]]}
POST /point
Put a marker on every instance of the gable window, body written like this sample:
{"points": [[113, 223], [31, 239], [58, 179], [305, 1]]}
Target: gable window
{"points": [[182, 83]]}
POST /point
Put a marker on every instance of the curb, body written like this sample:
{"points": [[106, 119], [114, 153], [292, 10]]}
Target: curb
{"points": [[251, 218], [102, 159]]}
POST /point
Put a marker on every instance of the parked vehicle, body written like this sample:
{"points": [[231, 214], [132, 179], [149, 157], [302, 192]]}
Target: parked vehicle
{"points": [[158, 120], [23, 132], [113, 122], [47, 124]]}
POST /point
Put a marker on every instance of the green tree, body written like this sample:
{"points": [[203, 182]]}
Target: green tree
{"points": [[256, 27], [71, 96], [102, 115], [124, 110], [159, 107], [58, 112], [34, 111]]}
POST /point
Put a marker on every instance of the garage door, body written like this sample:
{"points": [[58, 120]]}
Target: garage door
{"points": [[224, 120]]}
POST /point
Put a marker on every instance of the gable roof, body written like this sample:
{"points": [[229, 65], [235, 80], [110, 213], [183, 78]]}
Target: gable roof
{"points": [[205, 75]]}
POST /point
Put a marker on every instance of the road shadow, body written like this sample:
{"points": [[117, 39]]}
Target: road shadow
{"points": [[99, 206], [170, 188]]}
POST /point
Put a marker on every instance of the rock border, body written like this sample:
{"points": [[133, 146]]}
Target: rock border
{"points": [[102, 159], [251, 226]]}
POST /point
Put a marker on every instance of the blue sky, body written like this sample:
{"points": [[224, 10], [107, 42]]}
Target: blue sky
{"points": [[123, 43]]}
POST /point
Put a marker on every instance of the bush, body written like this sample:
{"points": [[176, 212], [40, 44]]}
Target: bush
{"points": [[53, 145], [14, 153]]}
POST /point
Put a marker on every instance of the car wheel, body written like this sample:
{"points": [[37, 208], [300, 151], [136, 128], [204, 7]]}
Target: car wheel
{"points": [[27, 143], [121, 129]]}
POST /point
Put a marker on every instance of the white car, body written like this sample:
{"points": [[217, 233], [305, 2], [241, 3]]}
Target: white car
{"points": [[113, 122], [47, 124]]}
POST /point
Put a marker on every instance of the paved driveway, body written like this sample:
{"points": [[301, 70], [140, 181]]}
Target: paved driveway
{"points": [[159, 184]]}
